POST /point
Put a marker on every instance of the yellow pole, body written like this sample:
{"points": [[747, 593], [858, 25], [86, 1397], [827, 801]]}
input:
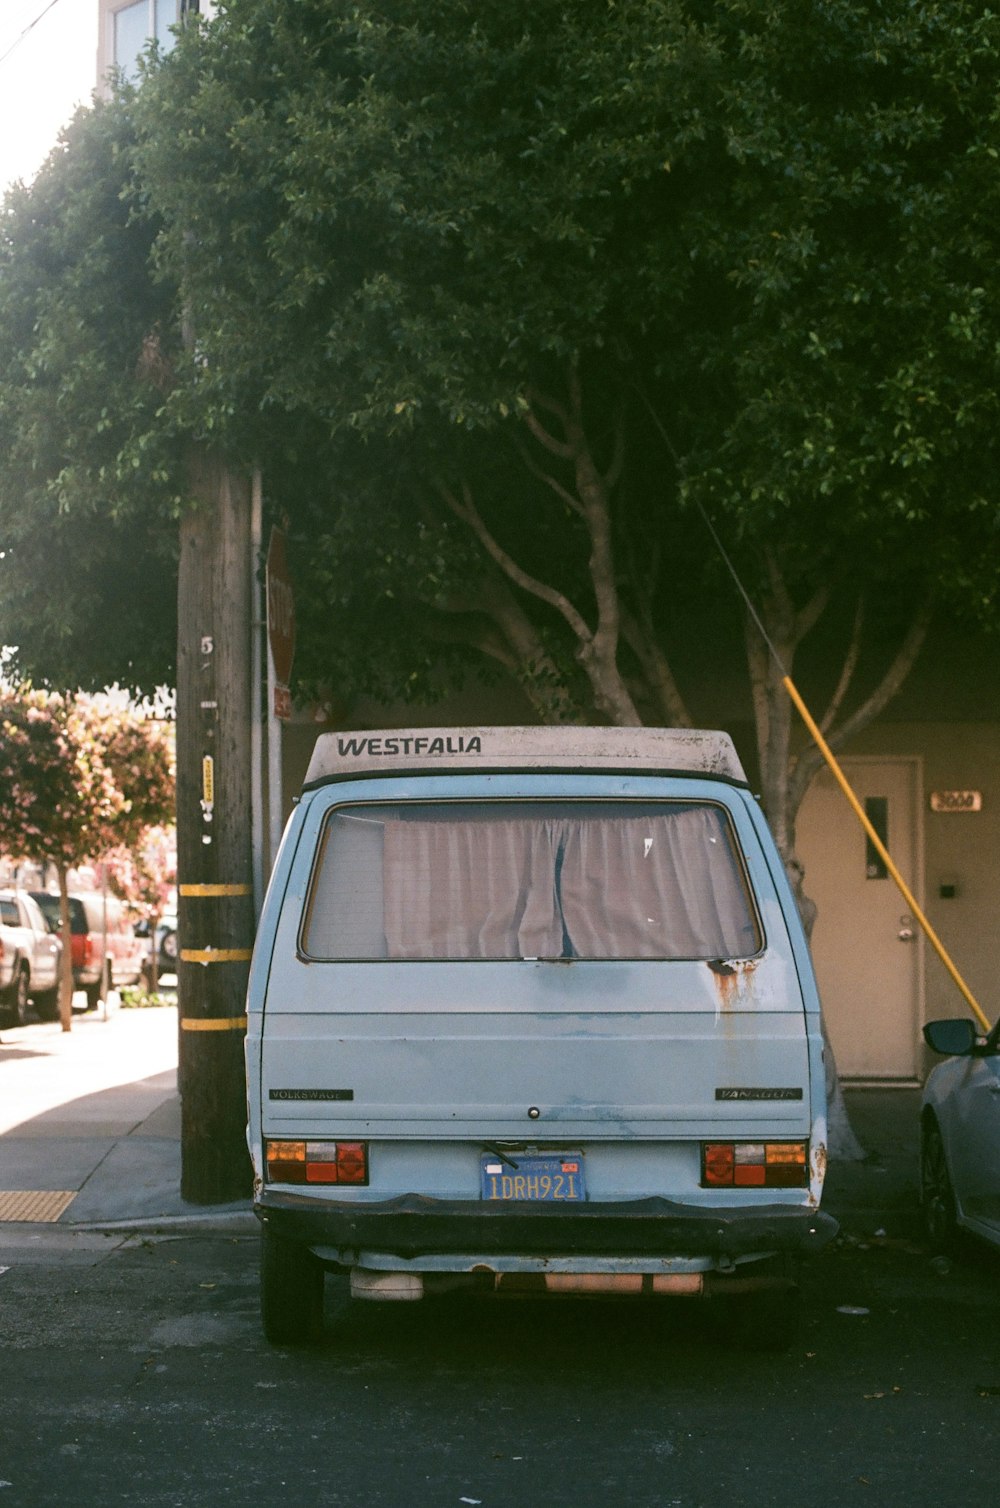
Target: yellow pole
{"points": [[884, 855]]}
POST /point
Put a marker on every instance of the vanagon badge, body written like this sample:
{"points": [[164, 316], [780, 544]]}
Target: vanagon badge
{"points": [[759, 1094]]}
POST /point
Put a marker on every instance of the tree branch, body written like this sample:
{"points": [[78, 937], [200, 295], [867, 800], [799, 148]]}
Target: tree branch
{"points": [[758, 660], [563, 493], [656, 669], [561, 448], [617, 463], [810, 760], [468, 513], [449, 623], [847, 670], [806, 618]]}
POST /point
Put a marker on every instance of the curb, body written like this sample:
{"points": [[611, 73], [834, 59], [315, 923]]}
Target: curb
{"points": [[225, 1222]]}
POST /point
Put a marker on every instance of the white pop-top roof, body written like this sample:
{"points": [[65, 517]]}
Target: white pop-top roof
{"points": [[397, 750]]}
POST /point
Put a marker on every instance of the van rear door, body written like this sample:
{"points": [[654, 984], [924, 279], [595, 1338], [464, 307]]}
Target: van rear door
{"points": [[586, 961]]}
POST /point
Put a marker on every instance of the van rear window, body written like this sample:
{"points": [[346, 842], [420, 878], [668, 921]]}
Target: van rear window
{"points": [[540, 879]]}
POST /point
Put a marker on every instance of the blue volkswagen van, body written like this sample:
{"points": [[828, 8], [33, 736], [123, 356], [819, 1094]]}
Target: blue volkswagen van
{"points": [[531, 1009]]}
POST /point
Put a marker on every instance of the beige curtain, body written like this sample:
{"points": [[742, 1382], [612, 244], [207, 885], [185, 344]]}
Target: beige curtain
{"points": [[659, 886], [664, 886], [470, 889]]}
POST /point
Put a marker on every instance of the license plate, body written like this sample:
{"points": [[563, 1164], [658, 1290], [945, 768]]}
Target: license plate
{"points": [[542, 1177]]}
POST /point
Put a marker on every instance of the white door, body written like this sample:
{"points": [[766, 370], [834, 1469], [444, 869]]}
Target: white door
{"points": [[866, 947]]}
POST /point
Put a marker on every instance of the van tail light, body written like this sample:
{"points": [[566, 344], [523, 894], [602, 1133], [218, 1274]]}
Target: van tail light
{"points": [[88, 948], [754, 1164], [316, 1161]]}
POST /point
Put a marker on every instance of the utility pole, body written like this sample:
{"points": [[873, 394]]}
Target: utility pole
{"points": [[214, 826], [215, 893]]}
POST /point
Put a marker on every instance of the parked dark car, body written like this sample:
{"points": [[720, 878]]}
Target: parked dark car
{"points": [[29, 959], [106, 952]]}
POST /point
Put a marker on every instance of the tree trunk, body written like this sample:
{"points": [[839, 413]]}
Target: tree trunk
{"points": [[841, 1142], [153, 972], [215, 891], [768, 665]]}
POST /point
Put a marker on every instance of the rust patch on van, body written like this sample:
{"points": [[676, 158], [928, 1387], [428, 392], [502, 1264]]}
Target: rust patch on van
{"points": [[730, 976]]}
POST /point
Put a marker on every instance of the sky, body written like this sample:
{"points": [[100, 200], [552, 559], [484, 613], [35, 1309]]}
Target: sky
{"points": [[48, 66]]}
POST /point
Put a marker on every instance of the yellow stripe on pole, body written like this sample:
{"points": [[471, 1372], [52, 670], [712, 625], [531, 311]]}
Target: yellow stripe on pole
{"points": [[216, 955], [214, 890], [884, 855], [213, 1023]]}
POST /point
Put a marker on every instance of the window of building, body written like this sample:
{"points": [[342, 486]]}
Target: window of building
{"points": [[135, 25]]}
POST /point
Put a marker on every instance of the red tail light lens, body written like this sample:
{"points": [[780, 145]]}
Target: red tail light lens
{"points": [[317, 1161], [717, 1161], [755, 1164]]}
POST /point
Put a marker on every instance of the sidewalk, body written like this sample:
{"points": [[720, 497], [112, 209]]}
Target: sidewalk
{"points": [[90, 1125]]}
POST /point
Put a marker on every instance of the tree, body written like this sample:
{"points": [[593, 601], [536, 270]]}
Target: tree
{"points": [[533, 287], [60, 800], [529, 287], [89, 481], [138, 750], [57, 799]]}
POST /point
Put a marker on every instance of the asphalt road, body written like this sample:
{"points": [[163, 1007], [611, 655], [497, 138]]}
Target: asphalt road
{"points": [[134, 1371]]}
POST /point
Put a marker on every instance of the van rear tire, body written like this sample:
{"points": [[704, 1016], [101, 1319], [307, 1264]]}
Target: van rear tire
{"points": [[291, 1292]]}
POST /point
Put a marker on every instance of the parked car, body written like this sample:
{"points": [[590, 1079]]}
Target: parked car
{"points": [[106, 952], [29, 959], [960, 1133], [165, 945]]}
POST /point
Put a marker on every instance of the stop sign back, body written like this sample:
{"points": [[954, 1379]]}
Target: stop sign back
{"points": [[280, 608]]}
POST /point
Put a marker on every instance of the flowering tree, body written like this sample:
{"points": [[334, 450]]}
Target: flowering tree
{"points": [[75, 780], [57, 796], [139, 754]]}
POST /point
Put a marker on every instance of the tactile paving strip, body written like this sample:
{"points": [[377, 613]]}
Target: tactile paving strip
{"points": [[41, 1205]]}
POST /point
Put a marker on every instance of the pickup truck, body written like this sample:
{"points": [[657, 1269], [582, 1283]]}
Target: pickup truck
{"points": [[29, 959]]}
